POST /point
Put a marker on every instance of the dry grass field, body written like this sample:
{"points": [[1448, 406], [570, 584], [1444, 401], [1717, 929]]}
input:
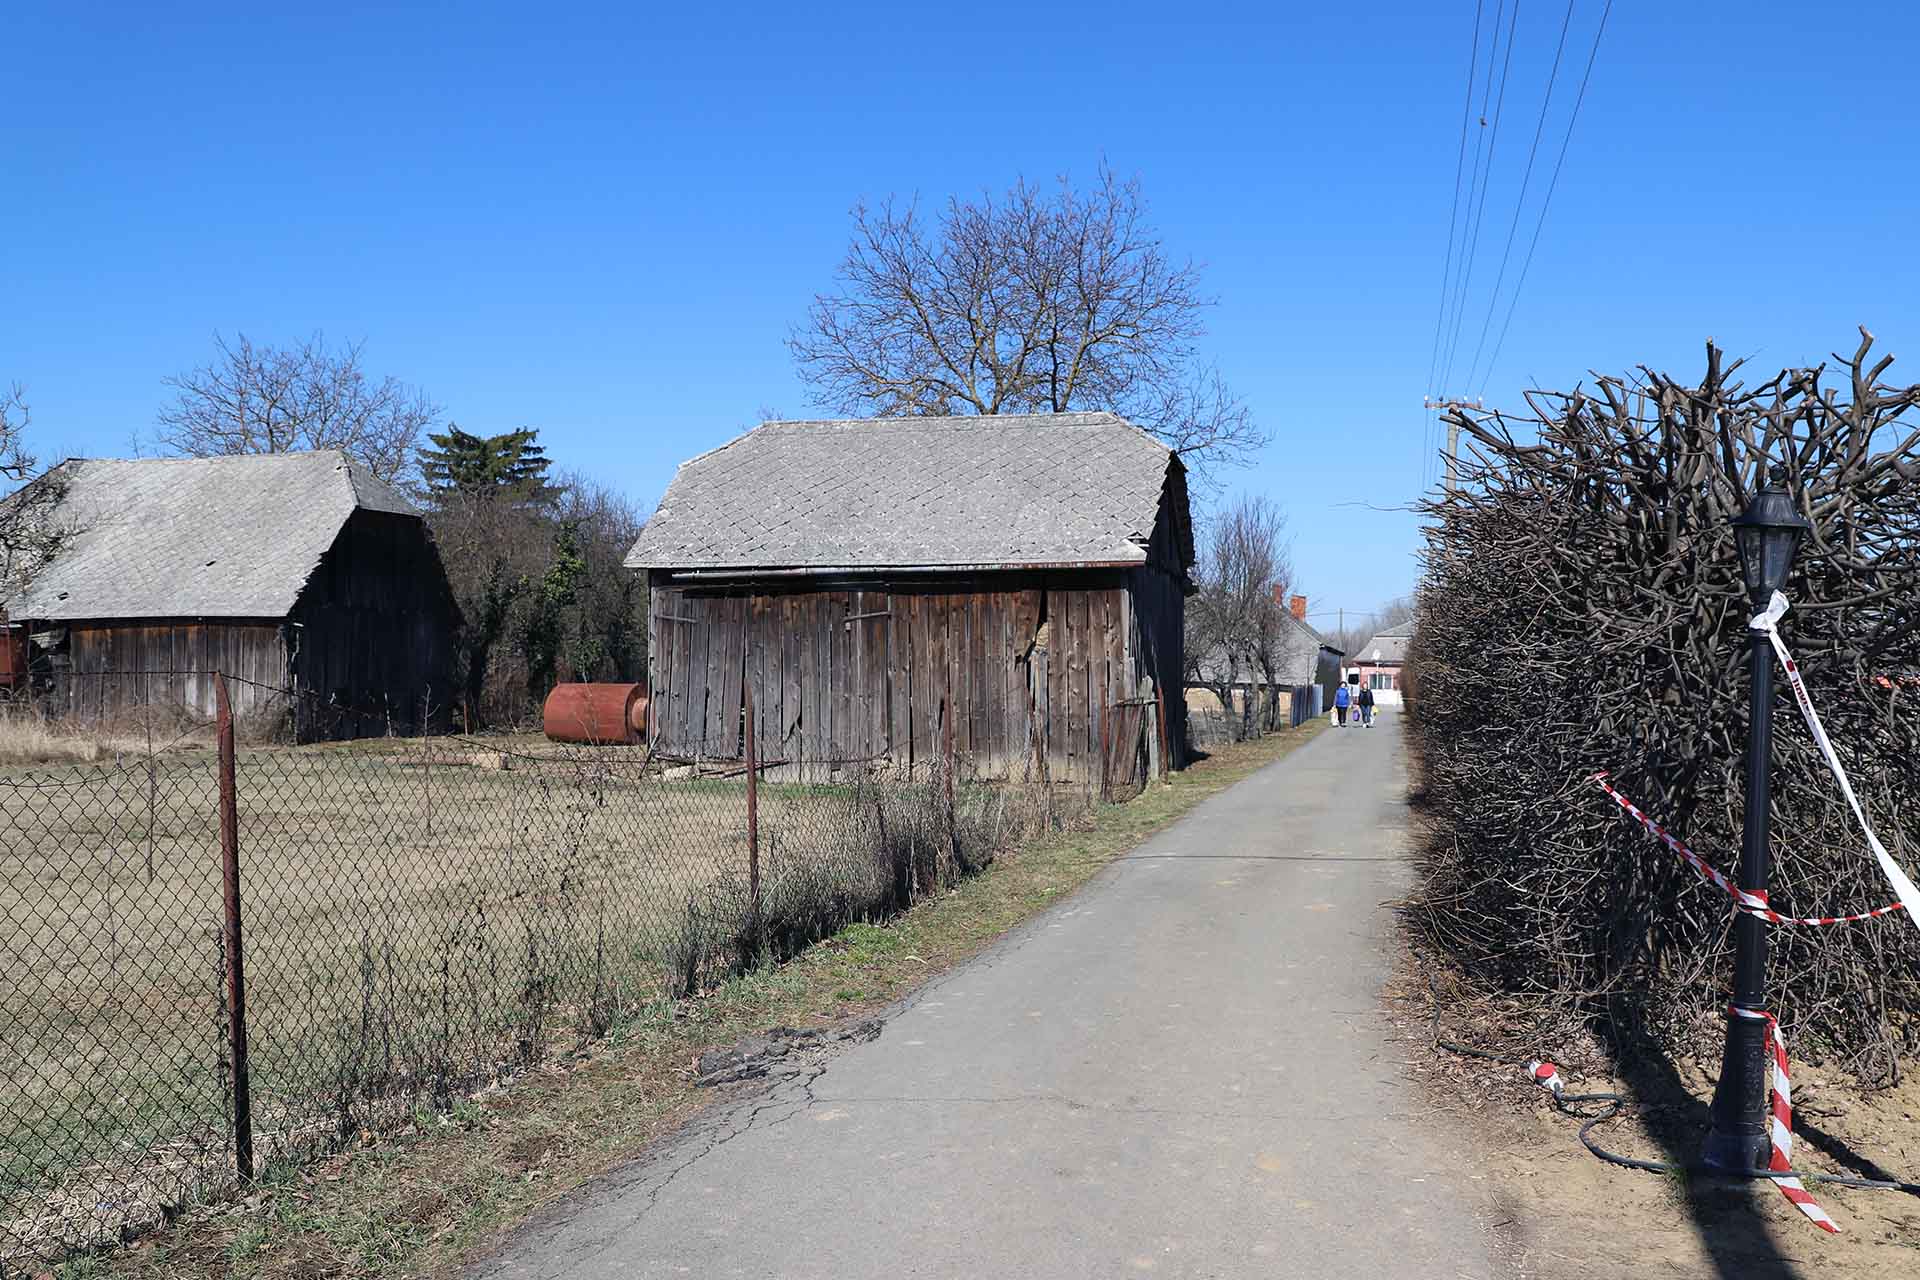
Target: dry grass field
{"points": [[419, 917]]}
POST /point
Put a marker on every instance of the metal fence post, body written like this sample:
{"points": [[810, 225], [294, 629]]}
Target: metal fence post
{"points": [[236, 966], [753, 807]]}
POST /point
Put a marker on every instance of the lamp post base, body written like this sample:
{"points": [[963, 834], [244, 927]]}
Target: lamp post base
{"points": [[1737, 1123], [1736, 1152]]}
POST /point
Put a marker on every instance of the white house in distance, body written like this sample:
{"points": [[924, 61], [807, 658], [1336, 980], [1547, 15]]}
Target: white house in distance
{"points": [[1379, 663]]}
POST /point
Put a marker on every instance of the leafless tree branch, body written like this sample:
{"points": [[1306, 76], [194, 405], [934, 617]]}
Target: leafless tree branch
{"points": [[252, 399], [1035, 302]]}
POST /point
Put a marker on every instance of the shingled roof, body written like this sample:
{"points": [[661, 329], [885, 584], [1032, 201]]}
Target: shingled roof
{"points": [[1389, 645], [195, 537], [1003, 491]]}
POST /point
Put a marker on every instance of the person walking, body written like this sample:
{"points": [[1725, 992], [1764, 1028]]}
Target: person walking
{"points": [[1341, 701], [1366, 705]]}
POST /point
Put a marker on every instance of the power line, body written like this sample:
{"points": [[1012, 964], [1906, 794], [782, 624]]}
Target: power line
{"points": [[1520, 202], [1449, 305], [1479, 215], [1548, 201], [1453, 219], [1447, 301]]}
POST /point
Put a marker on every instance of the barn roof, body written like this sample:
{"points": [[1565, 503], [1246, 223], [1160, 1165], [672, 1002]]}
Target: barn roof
{"points": [[1005, 491], [194, 537]]}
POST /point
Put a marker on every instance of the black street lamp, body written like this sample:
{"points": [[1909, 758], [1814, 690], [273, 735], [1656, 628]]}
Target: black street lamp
{"points": [[1769, 533]]}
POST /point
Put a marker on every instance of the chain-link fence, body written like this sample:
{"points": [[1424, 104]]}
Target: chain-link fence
{"points": [[1274, 708], [227, 955]]}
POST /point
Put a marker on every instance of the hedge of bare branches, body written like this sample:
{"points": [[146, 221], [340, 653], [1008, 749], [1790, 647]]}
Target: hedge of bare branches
{"points": [[1583, 611]]}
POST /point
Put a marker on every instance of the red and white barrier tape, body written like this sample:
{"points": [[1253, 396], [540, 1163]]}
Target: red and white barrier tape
{"points": [[1779, 1117], [1780, 1123], [1768, 621], [1752, 903]]}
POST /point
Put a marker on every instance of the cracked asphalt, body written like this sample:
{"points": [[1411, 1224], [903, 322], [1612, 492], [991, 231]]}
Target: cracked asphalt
{"points": [[1182, 1070]]}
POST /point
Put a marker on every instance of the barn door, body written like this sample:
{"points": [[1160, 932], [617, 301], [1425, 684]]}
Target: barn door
{"points": [[863, 738]]}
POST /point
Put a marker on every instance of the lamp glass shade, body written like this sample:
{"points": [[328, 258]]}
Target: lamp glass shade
{"points": [[1768, 533]]}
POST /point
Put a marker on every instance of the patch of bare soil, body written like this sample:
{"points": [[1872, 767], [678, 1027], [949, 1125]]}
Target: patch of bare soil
{"points": [[1574, 1215]]}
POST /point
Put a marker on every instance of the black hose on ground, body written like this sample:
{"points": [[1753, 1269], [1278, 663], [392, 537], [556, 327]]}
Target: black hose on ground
{"points": [[1616, 1104]]}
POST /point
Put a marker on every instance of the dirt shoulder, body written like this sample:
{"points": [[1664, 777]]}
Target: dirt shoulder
{"points": [[422, 1202], [1574, 1215]]}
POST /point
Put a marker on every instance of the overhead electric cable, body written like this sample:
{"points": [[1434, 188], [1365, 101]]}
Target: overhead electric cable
{"points": [[1453, 219], [1520, 202], [1527, 265], [1479, 215]]}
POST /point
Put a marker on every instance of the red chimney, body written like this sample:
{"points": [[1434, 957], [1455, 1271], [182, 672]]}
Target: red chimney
{"points": [[1299, 606]]}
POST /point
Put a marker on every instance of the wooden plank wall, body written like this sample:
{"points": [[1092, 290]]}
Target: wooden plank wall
{"points": [[1159, 629], [376, 638], [844, 678], [374, 641], [1158, 626], [122, 666]]}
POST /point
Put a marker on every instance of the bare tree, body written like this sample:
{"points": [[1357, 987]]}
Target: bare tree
{"points": [[1035, 303], [252, 399], [1235, 623], [16, 464], [30, 531]]}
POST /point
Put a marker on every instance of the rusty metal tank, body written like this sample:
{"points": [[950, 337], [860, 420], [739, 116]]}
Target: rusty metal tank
{"points": [[600, 714]]}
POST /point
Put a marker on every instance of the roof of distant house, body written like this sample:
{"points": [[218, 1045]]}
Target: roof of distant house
{"points": [[1004, 491], [1301, 646], [1387, 646], [230, 537]]}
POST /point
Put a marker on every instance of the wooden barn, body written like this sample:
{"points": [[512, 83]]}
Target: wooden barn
{"points": [[295, 572], [858, 578]]}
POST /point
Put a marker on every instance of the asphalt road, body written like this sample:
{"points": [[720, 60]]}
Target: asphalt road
{"points": [[1180, 1071]]}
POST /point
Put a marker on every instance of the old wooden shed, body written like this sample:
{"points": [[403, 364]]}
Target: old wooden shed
{"points": [[859, 578], [309, 582]]}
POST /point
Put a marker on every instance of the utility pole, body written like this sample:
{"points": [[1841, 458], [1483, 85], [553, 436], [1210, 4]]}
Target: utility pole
{"points": [[1453, 435]]}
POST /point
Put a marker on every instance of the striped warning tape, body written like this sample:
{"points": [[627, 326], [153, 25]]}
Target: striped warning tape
{"points": [[1752, 902], [1780, 1119], [1768, 623], [1780, 1123]]}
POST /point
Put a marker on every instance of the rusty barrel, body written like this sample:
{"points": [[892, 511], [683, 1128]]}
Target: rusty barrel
{"points": [[596, 713]]}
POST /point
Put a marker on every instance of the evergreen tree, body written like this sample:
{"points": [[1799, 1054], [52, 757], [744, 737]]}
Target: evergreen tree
{"points": [[510, 465]]}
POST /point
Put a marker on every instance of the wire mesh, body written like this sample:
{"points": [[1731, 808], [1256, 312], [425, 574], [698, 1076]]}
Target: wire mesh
{"points": [[421, 916]]}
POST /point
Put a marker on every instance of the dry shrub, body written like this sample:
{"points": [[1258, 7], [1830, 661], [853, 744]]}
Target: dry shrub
{"points": [[28, 737], [1583, 611], [867, 852]]}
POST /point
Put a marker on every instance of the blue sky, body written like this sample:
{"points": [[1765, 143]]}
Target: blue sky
{"points": [[602, 222]]}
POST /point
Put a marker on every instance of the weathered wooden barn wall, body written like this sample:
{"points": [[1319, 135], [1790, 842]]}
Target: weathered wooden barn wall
{"points": [[376, 631], [1159, 590], [369, 643], [118, 666], [860, 674]]}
